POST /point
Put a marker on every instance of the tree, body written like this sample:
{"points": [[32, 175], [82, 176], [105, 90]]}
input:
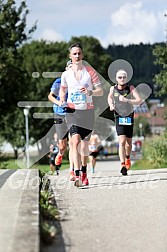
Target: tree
{"points": [[15, 130], [40, 57], [146, 131], [12, 79], [12, 36], [160, 51], [94, 54]]}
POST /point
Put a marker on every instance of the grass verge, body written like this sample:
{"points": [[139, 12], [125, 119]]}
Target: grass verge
{"points": [[10, 163], [144, 164]]}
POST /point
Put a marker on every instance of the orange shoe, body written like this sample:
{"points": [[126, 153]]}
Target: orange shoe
{"points": [[72, 176], [58, 159], [127, 163]]}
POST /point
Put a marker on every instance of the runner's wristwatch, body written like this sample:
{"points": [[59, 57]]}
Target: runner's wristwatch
{"points": [[90, 92]]}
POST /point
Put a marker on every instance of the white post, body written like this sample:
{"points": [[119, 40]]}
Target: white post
{"points": [[141, 126], [26, 112]]}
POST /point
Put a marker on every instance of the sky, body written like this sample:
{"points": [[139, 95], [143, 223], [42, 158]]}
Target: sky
{"points": [[120, 22]]}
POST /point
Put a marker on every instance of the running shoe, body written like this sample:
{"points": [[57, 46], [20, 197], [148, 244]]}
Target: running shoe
{"points": [[78, 181], [93, 170], [58, 159], [72, 176], [56, 173], [57, 170], [124, 171], [127, 163], [84, 179]]}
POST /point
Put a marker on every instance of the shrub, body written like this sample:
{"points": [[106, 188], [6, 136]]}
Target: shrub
{"points": [[48, 210], [155, 151]]}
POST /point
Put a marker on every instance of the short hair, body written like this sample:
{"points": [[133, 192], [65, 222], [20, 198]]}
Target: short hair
{"points": [[77, 44], [121, 71]]}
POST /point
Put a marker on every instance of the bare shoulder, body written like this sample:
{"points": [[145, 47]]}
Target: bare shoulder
{"points": [[111, 88], [131, 87], [97, 138]]}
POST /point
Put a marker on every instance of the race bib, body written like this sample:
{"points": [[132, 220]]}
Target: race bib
{"points": [[125, 121], [78, 97], [92, 148], [55, 150]]}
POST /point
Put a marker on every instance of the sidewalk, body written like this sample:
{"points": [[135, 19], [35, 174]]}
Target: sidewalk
{"points": [[114, 213], [19, 210]]}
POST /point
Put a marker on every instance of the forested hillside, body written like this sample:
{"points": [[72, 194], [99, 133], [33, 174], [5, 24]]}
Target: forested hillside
{"points": [[142, 60]]}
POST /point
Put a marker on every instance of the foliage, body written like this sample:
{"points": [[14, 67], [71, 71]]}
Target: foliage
{"points": [[48, 232], [48, 211], [3, 164], [141, 164], [94, 54], [141, 59], [41, 57], [13, 34], [155, 150], [15, 133], [145, 164], [146, 131], [10, 163], [160, 51]]}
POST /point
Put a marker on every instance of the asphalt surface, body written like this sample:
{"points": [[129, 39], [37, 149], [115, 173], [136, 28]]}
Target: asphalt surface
{"points": [[19, 210], [114, 213]]}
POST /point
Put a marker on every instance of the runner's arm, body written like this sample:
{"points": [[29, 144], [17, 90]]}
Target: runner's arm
{"points": [[62, 94], [53, 99], [110, 99], [136, 97], [97, 91]]}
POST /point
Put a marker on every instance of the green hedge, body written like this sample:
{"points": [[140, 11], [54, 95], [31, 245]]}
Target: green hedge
{"points": [[155, 150]]}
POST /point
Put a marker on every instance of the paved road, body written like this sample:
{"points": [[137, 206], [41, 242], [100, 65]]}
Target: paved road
{"points": [[19, 210], [114, 213]]}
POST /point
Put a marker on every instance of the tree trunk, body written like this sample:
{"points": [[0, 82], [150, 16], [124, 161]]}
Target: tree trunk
{"points": [[15, 152]]}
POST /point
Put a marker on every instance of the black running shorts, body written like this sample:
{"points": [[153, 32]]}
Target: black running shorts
{"points": [[81, 122], [126, 130], [61, 128]]}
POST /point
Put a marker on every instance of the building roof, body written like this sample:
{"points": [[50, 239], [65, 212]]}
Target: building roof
{"points": [[142, 110], [158, 116]]}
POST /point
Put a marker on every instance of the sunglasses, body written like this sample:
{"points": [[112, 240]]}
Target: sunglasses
{"points": [[121, 77]]}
